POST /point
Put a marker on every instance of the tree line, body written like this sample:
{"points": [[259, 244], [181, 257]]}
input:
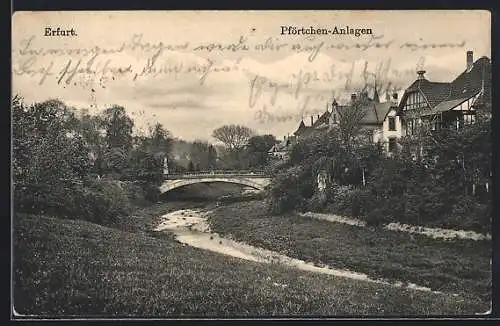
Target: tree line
{"points": [[437, 178], [70, 163]]}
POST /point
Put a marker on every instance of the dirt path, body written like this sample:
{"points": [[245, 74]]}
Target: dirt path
{"points": [[436, 233]]}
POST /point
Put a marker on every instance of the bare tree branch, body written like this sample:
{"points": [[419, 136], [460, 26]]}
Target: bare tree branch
{"points": [[233, 136]]}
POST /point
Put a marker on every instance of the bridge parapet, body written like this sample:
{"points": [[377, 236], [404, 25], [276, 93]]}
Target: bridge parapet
{"points": [[216, 174], [257, 180]]}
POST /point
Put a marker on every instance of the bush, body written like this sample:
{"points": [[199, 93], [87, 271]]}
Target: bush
{"points": [[104, 201], [289, 190], [135, 193], [96, 201], [349, 201], [317, 203], [469, 214]]}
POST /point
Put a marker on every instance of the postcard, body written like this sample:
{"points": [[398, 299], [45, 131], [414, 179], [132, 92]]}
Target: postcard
{"points": [[251, 164]]}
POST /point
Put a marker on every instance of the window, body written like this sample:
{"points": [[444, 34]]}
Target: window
{"points": [[414, 101], [435, 125], [392, 123], [410, 126], [468, 119], [392, 144]]}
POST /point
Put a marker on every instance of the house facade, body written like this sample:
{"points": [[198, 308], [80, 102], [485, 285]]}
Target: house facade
{"points": [[377, 119], [452, 104], [392, 128], [281, 150]]}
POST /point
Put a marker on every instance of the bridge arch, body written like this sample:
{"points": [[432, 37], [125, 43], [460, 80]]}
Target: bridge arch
{"points": [[255, 183]]}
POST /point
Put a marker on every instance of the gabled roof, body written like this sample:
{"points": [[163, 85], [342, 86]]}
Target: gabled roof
{"points": [[446, 105], [301, 129], [323, 119], [379, 110], [468, 84], [445, 96], [374, 113], [433, 92]]}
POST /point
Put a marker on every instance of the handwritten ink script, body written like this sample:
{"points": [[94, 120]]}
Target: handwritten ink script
{"points": [[300, 88], [66, 63]]}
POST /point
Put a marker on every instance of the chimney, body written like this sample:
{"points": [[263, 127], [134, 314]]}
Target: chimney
{"points": [[353, 97], [312, 120], [420, 74], [470, 60], [284, 138], [318, 117], [395, 98]]}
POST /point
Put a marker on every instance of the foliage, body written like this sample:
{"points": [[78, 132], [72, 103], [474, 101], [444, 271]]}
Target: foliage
{"points": [[290, 189], [343, 163], [428, 182], [234, 137], [195, 155], [258, 148], [118, 127], [350, 118], [436, 190], [203, 155], [67, 163]]}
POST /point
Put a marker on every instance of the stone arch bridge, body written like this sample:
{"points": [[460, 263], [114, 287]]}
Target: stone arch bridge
{"points": [[256, 180]]}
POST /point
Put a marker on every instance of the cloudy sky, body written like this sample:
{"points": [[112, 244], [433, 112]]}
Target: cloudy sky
{"points": [[196, 71]]}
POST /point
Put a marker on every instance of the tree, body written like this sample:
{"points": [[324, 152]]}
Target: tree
{"points": [[49, 156], [258, 147], [212, 157], [234, 137], [190, 166], [351, 116], [118, 126], [200, 154], [91, 129], [159, 140]]}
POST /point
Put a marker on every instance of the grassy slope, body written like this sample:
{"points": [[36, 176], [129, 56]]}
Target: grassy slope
{"points": [[456, 266], [66, 267]]}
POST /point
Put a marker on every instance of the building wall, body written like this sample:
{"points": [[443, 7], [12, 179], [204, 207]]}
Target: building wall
{"points": [[384, 136]]}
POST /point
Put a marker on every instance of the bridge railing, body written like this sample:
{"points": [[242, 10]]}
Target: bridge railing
{"points": [[215, 173]]}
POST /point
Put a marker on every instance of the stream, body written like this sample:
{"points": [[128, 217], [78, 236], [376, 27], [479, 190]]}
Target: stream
{"points": [[191, 227]]}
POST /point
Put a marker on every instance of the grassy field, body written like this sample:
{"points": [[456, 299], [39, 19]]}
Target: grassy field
{"points": [[71, 267], [457, 266]]}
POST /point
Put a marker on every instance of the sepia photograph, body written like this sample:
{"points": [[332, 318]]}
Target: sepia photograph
{"points": [[251, 164]]}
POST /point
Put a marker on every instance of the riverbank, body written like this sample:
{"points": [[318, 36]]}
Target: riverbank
{"points": [[452, 265], [191, 227], [72, 267]]}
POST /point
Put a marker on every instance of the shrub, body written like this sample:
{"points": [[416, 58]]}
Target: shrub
{"points": [[135, 193], [317, 202], [288, 190], [349, 201], [102, 202], [96, 201], [469, 214]]}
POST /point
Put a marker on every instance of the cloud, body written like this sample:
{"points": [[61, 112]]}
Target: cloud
{"points": [[174, 105], [192, 93]]}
